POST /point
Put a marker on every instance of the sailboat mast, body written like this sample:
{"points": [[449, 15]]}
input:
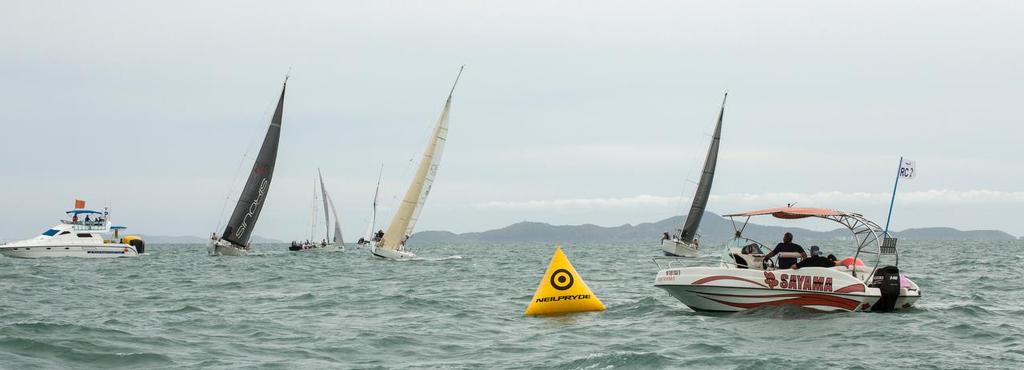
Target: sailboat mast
{"points": [[404, 220], [700, 197], [250, 203], [312, 228], [373, 209], [327, 217]]}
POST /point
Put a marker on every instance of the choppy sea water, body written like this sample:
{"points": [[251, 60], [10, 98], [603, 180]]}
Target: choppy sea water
{"points": [[176, 307]]}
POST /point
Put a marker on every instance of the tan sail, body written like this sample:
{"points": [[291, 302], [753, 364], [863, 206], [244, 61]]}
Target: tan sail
{"points": [[404, 221]]}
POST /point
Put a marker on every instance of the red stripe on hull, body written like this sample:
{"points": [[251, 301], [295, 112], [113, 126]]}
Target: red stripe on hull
{"points": [[855, 287], [725, 277], [795, 299]]}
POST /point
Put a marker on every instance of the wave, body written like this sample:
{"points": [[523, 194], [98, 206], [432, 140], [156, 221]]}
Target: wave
{"points": [[783, 312], [68, 353], [184, 309], [643, 306], [628, 360], [435, 259]]}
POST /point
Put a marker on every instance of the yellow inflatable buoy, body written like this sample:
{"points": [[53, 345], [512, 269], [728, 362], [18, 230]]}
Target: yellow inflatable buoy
{"points": [[562, 290]]}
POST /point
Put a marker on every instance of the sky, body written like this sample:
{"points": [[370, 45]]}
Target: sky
{"points": [[568, 112]]}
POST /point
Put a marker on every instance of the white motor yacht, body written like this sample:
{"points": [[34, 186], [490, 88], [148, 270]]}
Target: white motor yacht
{"points": [[76, 237], [745, 279]]}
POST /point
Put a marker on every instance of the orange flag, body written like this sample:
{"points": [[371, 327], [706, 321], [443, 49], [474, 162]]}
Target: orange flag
{"points": [[79, 203]]}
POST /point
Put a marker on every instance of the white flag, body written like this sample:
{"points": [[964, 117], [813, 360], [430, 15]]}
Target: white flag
{"points": [[907, 169]]}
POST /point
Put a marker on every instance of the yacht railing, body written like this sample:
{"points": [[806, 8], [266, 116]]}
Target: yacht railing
{"points": [[86, 225], [671, 262]]}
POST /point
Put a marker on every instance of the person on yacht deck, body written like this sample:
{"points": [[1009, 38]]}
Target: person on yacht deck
{"points": [[815, 260], [787, 245]]}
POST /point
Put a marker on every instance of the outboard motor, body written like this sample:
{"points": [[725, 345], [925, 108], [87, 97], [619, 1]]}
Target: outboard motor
{"points": [[140, 246], [887, 280]]}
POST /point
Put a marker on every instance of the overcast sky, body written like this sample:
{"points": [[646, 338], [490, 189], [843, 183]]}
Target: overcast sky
{"points": [[567, 112]]}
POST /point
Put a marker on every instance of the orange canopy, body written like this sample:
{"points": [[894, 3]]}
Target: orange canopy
{"points": [[792, 212]]}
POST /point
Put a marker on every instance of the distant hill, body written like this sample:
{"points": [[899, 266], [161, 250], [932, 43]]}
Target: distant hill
{"points": [[947, 233], [713, 228]]}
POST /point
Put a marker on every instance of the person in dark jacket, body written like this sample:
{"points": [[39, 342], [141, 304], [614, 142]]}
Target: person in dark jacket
{"points": [[815, 260], [787, 245]]}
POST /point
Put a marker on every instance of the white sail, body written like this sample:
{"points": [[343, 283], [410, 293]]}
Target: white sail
{"points": [[327, 217], [404, 221], [338, 239]]}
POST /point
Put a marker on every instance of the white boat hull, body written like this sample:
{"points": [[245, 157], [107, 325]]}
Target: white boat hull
{"points": [[79, 251], [392, 254], [676, 248], [730, 290], [222, 247]]}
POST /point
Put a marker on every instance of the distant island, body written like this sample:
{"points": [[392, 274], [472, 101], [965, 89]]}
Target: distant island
{"points": [[713, 228]]}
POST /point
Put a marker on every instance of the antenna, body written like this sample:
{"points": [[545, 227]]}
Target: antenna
{"points": [[456, 81]]}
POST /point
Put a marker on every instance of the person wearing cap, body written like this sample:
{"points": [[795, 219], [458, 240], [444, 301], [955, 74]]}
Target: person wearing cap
{"points": [[815, 260]]}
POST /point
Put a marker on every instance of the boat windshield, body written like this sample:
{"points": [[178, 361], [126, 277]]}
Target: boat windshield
{"points": [[742, 246]]}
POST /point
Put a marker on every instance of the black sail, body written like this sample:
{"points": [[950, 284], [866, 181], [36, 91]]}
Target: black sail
{"points": [[254, 194], [700, 199]]}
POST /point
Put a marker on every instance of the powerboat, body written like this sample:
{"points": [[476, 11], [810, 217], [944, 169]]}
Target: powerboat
{"points": [[869, 280], [74, 237]]}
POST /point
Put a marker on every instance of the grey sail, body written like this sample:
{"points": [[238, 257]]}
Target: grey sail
{"points": [[254, 193], [327, 217], [700, 198]]}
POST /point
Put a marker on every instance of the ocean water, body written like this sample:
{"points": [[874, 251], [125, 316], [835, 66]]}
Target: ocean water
{"points": [[462, 307]]}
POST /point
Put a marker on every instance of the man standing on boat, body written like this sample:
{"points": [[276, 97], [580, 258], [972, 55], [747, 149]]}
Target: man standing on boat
{"points": [[787, 246]]}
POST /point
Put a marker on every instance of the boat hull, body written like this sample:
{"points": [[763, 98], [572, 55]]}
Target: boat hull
{"points": [[222, 247], [676, 248], [731, 290], [328, 248], [78, 251], [392, 254]]}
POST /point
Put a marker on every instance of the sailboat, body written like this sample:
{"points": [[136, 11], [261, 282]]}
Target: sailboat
{"points": [[392, 245], [234, 241], [685, 242], [370, 238], [327, 243]]}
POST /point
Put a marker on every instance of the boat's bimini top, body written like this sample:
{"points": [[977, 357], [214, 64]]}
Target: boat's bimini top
{"points": [[792, 213]]}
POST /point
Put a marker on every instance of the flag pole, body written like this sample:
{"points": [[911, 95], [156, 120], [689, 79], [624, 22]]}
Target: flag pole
{"points": [[893, 200]]}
